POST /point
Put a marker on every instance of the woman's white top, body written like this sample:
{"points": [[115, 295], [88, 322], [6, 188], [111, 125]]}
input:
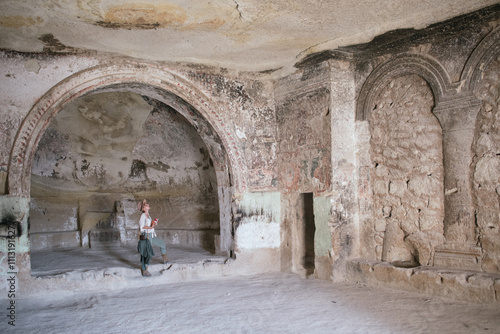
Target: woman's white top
{"points": [[146, 221]]}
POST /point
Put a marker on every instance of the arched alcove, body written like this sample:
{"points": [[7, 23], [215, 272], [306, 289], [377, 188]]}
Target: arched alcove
{"points": [[486, 52], [407, 172], [155, 83], [481, 75], [405, 152], [103, 153], [429, 69]]}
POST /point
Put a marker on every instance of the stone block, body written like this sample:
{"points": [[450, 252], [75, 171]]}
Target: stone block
{"points": [[323, 267], [380, 187], [380, 225], [97, 203], [464, 257], [55, 240], [431, 219], [132, 214], [425, 281], [480, 288], [189, 238], [104, 238], [470, 286], [395, 248], [398, 212], [385, 272], [52, 215], [263, 260], [397, 188], [205, 239], [461, 285], [358, 270], [131, 237]]}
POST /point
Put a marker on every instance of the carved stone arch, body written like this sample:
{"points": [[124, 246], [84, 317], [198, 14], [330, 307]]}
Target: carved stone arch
{"points": [[403, 64], [480, 58], [157, 82], [159, 79]]}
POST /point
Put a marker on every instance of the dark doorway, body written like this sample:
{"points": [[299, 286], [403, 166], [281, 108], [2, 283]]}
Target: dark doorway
{"points": [[309, 228]]}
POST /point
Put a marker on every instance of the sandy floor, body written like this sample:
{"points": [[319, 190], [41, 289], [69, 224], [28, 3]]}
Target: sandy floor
{"points": [[268, 303]]}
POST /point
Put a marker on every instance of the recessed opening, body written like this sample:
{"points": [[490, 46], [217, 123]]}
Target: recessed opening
{"points": [[99, 157], [307, 230]]}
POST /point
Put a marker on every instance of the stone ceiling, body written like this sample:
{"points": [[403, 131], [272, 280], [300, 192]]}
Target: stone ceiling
{"points": [[247, 35]]}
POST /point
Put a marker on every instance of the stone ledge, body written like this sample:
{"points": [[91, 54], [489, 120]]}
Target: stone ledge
{"points": [[470, 286], [88, 280], [116, 278]]}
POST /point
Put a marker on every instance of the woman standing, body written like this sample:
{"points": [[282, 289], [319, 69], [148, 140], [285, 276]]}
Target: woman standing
{"points": [[147, 229]]}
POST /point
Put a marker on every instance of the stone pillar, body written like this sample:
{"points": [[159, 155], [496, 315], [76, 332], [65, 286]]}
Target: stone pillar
{"points": [[344, 221], [224, 241], [457, 116]]}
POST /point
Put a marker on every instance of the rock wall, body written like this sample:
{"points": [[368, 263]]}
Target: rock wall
{"points": [[486, 167], [381, 139], [249, 118], [220, 132], [304, 160], [426, 163], [124, 146], [407, 172]]}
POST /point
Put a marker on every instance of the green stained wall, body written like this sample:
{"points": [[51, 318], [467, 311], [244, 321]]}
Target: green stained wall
{"points": [[322, 237], [260, 221], [264, 206]]}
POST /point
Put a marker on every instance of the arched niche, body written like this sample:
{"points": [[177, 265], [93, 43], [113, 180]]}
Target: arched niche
{"points": [[154, 82], [395, 239], [480, 75], [403, 64], [486, 51]]}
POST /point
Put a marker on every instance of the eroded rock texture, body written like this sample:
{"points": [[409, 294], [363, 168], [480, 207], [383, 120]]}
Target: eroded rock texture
{"points": [[486, 167], [119, 147], [407, 177], [304, 159]]}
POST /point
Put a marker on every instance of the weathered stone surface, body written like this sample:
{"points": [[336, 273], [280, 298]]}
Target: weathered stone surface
{"points": [[394, 247], [486, 168], [377, 145], [408, 174], [473, 287], [118, 145], [250, 36], [303, 127], [53, 215], [496, 286], [259, 221]]}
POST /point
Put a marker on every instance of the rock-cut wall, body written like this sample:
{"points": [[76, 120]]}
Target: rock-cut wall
{"points": [[486, 167], [119, 147], [407, 172]]}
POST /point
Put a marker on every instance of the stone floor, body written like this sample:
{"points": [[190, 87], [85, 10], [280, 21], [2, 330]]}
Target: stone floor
{"points": [[264, 303], [83, 290]]}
